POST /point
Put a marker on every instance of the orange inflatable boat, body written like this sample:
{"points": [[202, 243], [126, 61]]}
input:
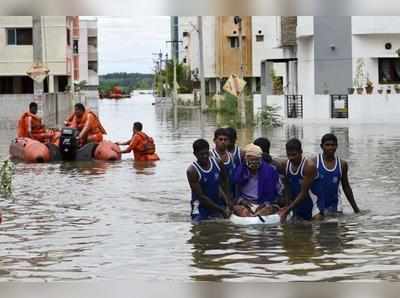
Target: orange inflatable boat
{"points": [[29, 150], [107, 150]]}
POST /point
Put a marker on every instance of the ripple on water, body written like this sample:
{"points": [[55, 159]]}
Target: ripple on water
{"points": [[77, 221]]}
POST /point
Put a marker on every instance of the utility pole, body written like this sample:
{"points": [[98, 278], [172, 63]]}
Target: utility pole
{"points": [[174, 81], [241, 102], [203, 102], [157, 70], [37, 51]]}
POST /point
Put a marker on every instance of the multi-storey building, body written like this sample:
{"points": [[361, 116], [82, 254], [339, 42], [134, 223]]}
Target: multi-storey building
{"points": [[88, 57], [330, 49], [16, 53], [221, 48]]}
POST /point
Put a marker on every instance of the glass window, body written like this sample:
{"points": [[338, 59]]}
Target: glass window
{"points": [[75, 47], [259, 37], [11, 40], [68, 37], [19, 36], [24, 36], [389, 70], [234, 41]]}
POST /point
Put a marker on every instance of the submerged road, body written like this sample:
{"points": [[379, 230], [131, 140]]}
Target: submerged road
{"points": [[123, 220]]}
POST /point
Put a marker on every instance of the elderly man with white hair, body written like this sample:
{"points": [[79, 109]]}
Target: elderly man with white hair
{"points": [[257, 184]]}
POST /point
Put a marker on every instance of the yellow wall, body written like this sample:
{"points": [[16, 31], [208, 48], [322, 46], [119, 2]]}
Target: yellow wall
{"points": [[227, 58]]}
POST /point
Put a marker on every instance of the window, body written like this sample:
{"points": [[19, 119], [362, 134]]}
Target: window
{"points": [[68, 37], [92, 65], [259, 37], [234, 41], [75, 47], [389, 70], [19, 36]]}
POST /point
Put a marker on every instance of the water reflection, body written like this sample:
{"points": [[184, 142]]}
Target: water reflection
{"points": [[124, 219], [95, 167], [142, 167]]}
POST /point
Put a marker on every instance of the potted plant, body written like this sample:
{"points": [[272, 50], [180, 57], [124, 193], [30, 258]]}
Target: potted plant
{"points": [[359, 76], [380, 90], [388, 89], [369, 87], [397, 88]]}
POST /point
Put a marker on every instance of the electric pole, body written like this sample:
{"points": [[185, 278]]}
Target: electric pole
{"points": [[203, 102], [37, 51], [241, 101], [174, 81]]}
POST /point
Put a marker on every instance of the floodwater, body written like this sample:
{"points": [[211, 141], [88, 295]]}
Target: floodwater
{"points": [[123, 220]]}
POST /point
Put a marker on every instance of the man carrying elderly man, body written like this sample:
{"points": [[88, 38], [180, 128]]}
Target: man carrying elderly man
{"points": [[257, 185]]}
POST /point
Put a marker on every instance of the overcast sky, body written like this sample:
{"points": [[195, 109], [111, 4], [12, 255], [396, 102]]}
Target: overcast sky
{"points": [[127, 44]]}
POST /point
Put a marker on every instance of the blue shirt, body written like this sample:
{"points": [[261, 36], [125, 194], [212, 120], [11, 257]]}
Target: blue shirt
{"points": [[309, 207], [229, 166], [329, 180], [209, 180], [237, 159]]}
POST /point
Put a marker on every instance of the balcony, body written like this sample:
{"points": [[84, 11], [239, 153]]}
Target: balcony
{"points": [[92, 32], [288, 31], [305, 26], [92, 53], [93, 78]]}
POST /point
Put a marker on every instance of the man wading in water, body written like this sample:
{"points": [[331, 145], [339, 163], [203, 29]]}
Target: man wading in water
{"points": [[223, 156], [301, 174], [332, 171], [205, 177]]}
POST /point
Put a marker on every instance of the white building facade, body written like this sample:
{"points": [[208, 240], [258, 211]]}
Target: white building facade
{"points": [[88, 57], [16, 53], [370, 43]]}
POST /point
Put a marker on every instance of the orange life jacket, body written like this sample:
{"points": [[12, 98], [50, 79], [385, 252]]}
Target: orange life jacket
{"points": [[37, 128], [147, 145], [143, 147], [79, 123]]}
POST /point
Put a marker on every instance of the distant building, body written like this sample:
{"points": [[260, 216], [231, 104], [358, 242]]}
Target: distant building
{"points": [[16, 53], [329, 49], [88, 57], [221, 48]]}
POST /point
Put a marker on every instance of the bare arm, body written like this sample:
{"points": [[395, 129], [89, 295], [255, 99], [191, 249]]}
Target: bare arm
{"points": [[347, 188], [310, 172], [125, 143], [132, 143], [225, 183], [193, 179]]}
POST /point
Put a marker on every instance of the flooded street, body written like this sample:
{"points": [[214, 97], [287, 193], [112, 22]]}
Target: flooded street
{"points": [[123, 220]]}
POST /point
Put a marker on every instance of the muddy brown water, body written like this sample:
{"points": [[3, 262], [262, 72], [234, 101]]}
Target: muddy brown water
{"points": [[123, 220]]}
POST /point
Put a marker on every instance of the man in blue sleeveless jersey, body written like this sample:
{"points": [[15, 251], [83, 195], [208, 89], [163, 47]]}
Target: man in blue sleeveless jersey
{"points": [[233, 148], [302, 185], [332, 171], [205, 177], [222, 155]]}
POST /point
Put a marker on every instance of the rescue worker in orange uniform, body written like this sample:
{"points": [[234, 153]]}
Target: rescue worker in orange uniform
{"points": [[87, 123], [141, 144], [30, 126]]}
